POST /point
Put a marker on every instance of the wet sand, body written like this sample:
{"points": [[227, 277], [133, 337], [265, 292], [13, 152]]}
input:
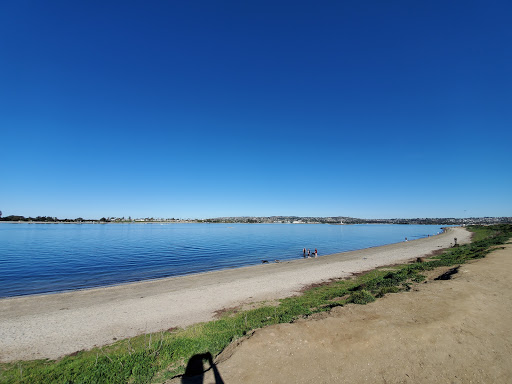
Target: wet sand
{"points": [[50, 326]]}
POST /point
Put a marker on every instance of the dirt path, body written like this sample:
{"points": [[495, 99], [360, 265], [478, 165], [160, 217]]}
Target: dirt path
{"points": [[453, 331]]}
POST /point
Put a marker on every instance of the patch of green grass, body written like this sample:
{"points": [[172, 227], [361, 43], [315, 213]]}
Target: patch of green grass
{"points": [[481, 232], [159, 356], [361, 297]]}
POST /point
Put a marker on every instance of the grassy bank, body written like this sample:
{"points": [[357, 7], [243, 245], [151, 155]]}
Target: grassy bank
{"points": [[156, 357]]}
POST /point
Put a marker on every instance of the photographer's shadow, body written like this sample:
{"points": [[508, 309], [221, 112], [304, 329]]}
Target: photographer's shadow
{"points": [[194, 373]]}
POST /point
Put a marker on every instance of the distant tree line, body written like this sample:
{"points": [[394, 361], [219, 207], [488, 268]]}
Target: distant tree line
{"points": [[42, 219]]}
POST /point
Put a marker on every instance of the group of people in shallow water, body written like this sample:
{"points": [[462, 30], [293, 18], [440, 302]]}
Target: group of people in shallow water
{"points": [[307, 254]]}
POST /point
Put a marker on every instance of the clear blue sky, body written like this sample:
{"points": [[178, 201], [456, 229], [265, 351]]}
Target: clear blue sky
{"points": [[373, 109]]}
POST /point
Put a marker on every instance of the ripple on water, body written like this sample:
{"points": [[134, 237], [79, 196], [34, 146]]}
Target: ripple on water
{"points": [[41, 258]]}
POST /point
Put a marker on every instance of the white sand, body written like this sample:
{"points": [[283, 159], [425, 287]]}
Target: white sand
{"points": [[50, 326]]}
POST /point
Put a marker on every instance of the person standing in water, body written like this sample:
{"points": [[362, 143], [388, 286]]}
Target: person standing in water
{"points": [[316, 252], [304, 252]]}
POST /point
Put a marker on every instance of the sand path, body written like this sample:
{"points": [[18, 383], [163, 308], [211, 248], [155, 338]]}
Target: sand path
{"points": [[50, 326], [454, 331]]}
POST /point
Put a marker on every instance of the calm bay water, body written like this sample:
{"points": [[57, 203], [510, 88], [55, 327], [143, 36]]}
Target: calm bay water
{"points": [[42, 258]]}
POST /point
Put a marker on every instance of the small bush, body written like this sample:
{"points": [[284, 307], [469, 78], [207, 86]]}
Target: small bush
{"points": [[381, 292], [361, 297], [418, 278]]}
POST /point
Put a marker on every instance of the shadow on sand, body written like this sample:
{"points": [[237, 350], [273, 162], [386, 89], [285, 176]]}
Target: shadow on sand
{"points": [[194, 374]]}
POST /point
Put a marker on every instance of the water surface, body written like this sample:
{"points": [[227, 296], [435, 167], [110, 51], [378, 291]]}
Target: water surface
{"points": [[42, 258]]}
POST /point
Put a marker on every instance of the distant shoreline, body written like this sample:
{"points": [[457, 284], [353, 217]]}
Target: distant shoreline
{"points": [[191, 222], [333, 220]]}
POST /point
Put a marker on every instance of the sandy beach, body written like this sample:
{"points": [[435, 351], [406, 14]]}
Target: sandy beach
{"points": [[50, 326]]}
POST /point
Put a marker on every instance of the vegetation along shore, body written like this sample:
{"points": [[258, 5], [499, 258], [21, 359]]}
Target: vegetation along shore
{"points": [[159, 356]]}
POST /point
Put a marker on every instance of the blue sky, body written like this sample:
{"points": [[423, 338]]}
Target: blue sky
{"points": [[226, 108]]}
